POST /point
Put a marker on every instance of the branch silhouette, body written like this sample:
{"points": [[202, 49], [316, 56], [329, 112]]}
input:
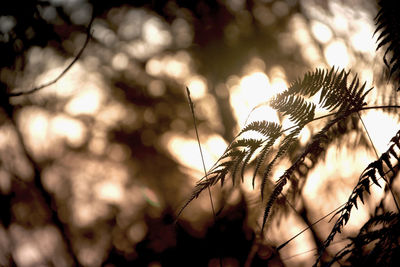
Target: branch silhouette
{"points": [[76, 58]]}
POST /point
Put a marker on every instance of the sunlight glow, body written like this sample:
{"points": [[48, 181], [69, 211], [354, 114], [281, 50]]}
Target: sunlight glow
{"points": [[65, 87], [182, 32], [336, 54], [110, 192], [120, 61], [285, 228], [129, 27], [186, 150], [341, 16], [28, 254], [302, 36], [85, 213], [155, 33], [74, 131], [321, 32], [176, 66], [86, 102], [35, 127], [38, 126], [381, 127], [362, 40], [256, 83], [156, 88], [278, 79], [112, 113], [331, 184], [104, 34], [253, 90], [197, 86]]}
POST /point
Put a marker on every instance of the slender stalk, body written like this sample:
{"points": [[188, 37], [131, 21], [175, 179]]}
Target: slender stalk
{"points": [[202, 159]]}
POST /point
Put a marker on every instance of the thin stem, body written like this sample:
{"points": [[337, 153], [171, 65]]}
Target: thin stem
{"points": [[201, 151], [202, 159]]}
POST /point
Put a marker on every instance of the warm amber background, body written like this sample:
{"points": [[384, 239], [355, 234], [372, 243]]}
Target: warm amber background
{"points": [[94, 168]]}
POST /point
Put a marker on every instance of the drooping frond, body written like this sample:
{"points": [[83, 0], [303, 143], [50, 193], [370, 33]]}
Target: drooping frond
{"points": [[277, 190], [388, 218], [315, 146], [285, 145], [382, 167], [388, 24], [380, 234], [262, 156], [336, 96]]}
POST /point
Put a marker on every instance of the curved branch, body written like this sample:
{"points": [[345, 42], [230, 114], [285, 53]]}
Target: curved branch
{"points": [[33, 90]]}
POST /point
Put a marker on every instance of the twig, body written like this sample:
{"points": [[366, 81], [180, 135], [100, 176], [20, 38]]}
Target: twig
{"points": [[88, 37]]}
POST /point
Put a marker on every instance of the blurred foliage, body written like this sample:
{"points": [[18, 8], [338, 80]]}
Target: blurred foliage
{"points": [[89, 170]]}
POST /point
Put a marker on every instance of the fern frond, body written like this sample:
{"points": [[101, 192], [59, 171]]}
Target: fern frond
{"points": [[368, 176], [266, 128], [335, 94], [313, 147], [275, 193], [262, 155], [245, 142], [299, 110], [286, 143], [246, 161], [381, 234], [237, 164], [314, 151], [234, 153], [200, 187], [387, 218], [388, 24]]}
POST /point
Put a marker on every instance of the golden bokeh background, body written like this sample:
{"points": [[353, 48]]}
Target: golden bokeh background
{"points": [[113, 146]]}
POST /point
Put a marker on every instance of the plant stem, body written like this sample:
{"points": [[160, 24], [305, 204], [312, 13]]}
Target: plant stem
{"points": [[202, 160]]}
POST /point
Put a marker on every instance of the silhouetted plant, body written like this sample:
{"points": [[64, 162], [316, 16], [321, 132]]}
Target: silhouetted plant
{"points": [[389, 26], [342, 97]]}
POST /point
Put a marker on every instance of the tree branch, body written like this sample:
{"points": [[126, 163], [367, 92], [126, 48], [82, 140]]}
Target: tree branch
{"points": [[33, 90]]}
